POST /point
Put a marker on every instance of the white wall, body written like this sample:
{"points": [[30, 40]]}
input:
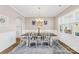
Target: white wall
{"points": [[8, 29], [49, 27], [20, 26], [70, 40], [7, 39]]}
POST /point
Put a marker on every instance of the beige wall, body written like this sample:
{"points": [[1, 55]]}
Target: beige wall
{"points": [[50, 26], [10, 24], [8, 29]]}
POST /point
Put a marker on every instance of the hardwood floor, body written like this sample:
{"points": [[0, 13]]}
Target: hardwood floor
{"points": [[68, 48], [7, 50]]}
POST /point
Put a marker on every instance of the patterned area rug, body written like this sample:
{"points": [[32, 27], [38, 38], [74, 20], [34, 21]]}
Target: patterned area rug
{"points": [[55, 49]]}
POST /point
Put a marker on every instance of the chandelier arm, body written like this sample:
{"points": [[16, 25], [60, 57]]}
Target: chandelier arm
{"points": [[39, 11]]}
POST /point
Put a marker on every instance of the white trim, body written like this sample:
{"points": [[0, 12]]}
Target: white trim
{"points": [[16, 10]]}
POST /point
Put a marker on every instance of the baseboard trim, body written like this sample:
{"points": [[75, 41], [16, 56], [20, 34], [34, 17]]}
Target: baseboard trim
{"points": [[68, 48], [7, 50]]}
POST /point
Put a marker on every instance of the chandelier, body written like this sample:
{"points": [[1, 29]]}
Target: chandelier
{"points": [[39, 20]]}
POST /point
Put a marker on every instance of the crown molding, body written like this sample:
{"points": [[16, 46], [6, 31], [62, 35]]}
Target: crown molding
{"points": [[20, 13]]}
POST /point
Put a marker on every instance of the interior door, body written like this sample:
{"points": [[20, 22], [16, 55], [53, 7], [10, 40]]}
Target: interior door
{"points": [[18, 27]]}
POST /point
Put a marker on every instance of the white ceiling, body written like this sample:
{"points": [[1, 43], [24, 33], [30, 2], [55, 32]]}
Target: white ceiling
{"points": [[45, 10]]}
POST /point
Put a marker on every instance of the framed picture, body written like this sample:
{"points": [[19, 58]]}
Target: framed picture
{"points": [[76, 29], [3, 19], [33, 22], [45, 22], [68, 28]]}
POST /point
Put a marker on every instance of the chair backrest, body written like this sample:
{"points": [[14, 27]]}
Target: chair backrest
{"points": [[47, 38]]}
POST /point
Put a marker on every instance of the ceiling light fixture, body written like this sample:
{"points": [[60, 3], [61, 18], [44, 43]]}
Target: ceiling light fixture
{"points": [[39, 18], [39, 22]]}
